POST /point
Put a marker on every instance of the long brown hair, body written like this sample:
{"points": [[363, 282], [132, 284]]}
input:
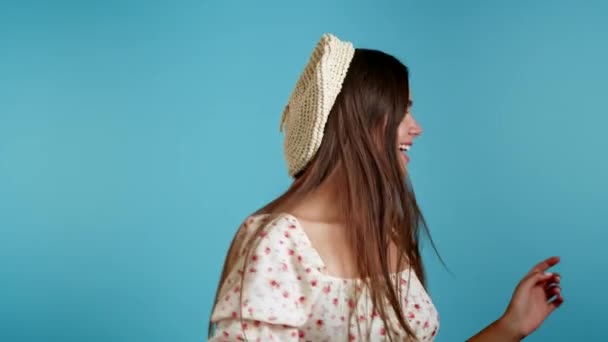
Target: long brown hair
{"points": [[376, 199]]}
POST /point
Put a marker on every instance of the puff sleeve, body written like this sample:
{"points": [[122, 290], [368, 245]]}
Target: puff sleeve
{"points": [[280, 281]]}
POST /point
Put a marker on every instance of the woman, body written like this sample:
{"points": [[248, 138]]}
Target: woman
{"points": [[336, 257]]}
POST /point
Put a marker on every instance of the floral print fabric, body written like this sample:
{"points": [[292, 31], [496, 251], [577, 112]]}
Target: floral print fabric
{"points": [[286, 294]]}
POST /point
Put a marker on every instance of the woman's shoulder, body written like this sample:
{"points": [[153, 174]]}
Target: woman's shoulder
{"points": [[274, 279], [276, 234], [269, 225]]}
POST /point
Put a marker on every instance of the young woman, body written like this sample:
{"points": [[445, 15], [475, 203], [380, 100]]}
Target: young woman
{"points": [[336, 257]]}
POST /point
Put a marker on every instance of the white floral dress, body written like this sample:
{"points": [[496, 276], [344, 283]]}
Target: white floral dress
{"points": [[287, 295]]}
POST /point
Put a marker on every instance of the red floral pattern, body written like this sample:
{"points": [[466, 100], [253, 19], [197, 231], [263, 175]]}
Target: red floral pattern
{"points": [[287, 296]]}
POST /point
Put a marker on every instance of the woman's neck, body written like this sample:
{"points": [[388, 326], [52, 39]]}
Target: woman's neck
{"points": [[324, 203]]}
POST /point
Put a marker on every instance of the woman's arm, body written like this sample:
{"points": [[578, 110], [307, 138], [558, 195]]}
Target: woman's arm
{"points": [[536, 296], [498, 331]]}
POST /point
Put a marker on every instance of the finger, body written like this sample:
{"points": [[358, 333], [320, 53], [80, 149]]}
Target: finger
{"points": [[535, 278], [556, 303], [545, 264], [553, 291], [554, 279], [559, 300]]}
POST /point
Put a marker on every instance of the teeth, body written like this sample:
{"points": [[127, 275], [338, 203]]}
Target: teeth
{"points": [[404, 147]]}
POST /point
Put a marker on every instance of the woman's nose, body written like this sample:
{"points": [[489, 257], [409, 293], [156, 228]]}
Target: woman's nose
{"points": [[415, 129]]}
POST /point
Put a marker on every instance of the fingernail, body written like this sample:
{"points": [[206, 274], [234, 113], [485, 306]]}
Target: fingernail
{"points": [[548, 273]]}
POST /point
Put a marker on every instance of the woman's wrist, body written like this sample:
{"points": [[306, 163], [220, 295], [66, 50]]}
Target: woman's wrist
{"points": [[508, 329], [501, 330]]}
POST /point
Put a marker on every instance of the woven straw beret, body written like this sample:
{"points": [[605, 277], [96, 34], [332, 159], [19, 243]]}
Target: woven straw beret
{"points": [[316, 90]]}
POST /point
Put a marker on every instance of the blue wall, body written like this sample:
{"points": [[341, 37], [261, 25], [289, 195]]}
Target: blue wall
{"points": [[135, 136]]}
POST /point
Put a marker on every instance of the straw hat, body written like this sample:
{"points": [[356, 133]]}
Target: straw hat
{"points": [[304, 118]]}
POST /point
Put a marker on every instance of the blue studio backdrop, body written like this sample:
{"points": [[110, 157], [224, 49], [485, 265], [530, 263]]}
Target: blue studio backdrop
{"points": [[135, 136]]}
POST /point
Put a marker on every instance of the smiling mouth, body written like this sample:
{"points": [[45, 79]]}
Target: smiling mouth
{"points": [[404, 148]]}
